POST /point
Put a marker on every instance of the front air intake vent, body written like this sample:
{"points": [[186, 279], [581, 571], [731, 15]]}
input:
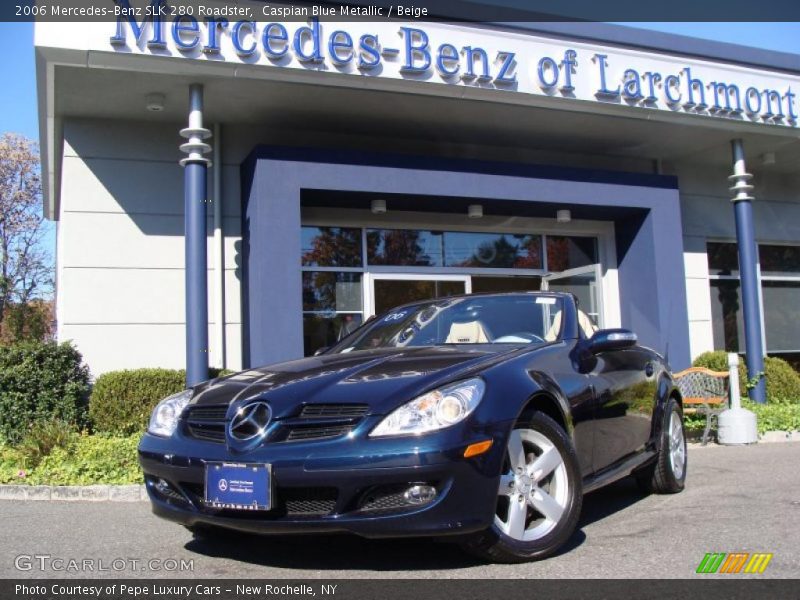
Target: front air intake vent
{"points": [[317, 433], [206, 423], [329, 411]]}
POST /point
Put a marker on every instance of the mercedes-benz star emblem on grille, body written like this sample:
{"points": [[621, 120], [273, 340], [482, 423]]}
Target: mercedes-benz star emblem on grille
{"points": [[250, 421]]}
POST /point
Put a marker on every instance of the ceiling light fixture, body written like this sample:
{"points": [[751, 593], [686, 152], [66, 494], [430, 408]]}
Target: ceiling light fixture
{"points": [[155, 102], [475, 211], [563, 216], [378, 207]]}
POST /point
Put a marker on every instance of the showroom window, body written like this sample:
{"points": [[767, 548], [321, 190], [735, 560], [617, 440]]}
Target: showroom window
{"points": [[337, 262], [780, 294], [411, 247], [331, 258]]}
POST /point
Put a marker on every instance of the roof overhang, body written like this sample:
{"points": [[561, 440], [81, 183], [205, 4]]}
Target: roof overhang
{"points": [[82, 72]]}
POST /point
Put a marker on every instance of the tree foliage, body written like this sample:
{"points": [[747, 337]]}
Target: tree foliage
{"points": [[25, 266]]}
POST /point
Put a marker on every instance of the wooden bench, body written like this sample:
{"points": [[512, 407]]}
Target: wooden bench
{"points": [[704, 392]]}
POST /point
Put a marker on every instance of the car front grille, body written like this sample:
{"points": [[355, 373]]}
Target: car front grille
{"points": [[288, 502], [317, 433], [206, 423], [207, 432], [333, 410], [314, 422], [384, 498]]}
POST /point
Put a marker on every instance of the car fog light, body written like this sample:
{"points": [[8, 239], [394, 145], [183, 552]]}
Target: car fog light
{"points": [[420, 494]]}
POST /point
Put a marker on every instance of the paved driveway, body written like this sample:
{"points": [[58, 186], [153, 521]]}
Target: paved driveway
{"points": [[737, 499]]}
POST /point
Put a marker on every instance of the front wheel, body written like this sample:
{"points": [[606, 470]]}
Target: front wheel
{"points": [[668, 474], [539, 497]]}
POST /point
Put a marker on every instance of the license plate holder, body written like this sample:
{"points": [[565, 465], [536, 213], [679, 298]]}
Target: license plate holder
{"points": [[238, 486]]}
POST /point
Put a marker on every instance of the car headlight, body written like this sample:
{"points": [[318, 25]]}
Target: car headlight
{"points": [[165, 415], [435, 410]]}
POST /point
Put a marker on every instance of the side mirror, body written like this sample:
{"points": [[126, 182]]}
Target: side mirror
{"points": [[608, 340], [322, 350]]}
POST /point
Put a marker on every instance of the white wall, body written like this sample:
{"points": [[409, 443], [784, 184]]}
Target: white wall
{"points": [[121, 251]]}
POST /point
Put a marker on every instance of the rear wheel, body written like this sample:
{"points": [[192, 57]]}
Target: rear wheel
{"points": [[667, 475], [539, 497]]}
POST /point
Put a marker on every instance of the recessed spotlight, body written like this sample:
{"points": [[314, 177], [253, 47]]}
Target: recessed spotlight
{"points": [[378, 207], [155, 102], [563, 216], [475, 211]]}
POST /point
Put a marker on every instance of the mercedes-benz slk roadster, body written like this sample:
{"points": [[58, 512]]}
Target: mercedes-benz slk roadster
{"points": [[481, 418]]}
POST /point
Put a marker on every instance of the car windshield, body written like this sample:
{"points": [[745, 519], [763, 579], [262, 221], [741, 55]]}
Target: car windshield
{"points": [[507, 319]]}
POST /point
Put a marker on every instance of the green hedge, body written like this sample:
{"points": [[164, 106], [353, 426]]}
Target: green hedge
{"points": [[83, 460], [783, 382], [40, 382], [121, 401]]}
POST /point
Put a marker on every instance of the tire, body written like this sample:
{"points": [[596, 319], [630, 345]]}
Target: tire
{"points": [[667, 475], [556, 489]]}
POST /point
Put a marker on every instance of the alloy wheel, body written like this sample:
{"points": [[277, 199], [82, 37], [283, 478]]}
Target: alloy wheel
{"points": [[534, 487], [677, 445]]}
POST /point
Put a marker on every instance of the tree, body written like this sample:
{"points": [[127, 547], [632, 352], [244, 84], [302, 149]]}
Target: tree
{"points": [[25, 266]]}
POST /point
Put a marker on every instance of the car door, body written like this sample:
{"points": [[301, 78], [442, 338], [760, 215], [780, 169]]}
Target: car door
{"points": [[625, 390]]}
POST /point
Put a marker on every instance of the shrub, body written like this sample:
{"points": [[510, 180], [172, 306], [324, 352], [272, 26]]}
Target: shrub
{"points": [[783, 382], [39, 382], [716, 360], [775, 417], [43, 438], [89, 460], [121, 401], [12, 465]]}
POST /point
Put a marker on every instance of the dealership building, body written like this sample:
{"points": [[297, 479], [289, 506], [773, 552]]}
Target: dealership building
{"points": [[249, 190]]}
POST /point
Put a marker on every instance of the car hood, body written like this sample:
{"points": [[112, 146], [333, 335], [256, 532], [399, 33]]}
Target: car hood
{"points": [[383, 379]]}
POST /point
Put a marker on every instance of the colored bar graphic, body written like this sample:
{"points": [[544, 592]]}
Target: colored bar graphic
{"points": [[734, 562], [758, 563], [711, 562]]}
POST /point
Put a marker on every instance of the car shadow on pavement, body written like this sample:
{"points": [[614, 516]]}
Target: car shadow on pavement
{"points": [[349, 552], [609, 500]]}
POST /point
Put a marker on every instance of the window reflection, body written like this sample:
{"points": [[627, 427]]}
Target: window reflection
{"points": [[570, 252], [331, 247], [330, 291], [723, 258], [492, 250], [404, 247], [320, 331], [779, 259]]}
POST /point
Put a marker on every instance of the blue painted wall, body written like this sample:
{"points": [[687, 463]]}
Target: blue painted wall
{"points": [[645, 210]]}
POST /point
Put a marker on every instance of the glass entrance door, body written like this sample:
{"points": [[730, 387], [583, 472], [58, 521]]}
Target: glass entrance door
{"points": [[389, 290], [584, 283]]}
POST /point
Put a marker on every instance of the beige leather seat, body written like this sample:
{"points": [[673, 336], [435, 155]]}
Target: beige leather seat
{"points": [[472, 332], [584, 322]]}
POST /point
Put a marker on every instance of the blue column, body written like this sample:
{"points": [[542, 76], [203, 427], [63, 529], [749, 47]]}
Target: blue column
{"points": [[748, 272], [195, 202], [196, 273]]}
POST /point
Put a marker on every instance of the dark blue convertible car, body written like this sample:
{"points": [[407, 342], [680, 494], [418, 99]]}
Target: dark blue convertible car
{"points": [[484, 418]]}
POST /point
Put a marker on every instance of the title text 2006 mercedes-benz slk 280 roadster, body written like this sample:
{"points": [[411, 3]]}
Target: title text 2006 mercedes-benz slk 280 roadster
{"points": [[482, 417]]}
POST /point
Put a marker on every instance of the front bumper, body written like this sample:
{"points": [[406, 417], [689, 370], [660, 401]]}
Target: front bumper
{"points": [[336, 486]]}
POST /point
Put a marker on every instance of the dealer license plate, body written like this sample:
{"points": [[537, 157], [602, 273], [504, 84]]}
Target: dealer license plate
{"points": [[240, 486]]}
